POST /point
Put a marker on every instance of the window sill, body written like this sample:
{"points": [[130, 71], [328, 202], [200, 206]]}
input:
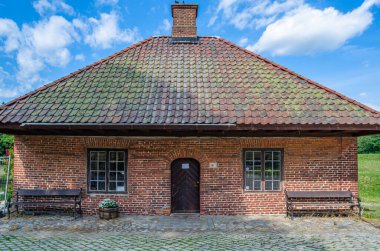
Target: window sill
{"points": [[275, 191], [93, 194]]}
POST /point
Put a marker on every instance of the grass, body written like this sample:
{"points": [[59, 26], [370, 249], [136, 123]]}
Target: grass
{"points": [[369, 184]]}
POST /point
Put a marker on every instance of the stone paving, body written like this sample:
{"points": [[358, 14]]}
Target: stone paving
{"points": [[187, 233]]}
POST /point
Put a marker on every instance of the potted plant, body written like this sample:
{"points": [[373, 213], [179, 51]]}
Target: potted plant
{"points": [[108, 209]]}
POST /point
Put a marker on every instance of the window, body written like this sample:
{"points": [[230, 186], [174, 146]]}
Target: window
{"points": [[262, 170], [107, 171]]}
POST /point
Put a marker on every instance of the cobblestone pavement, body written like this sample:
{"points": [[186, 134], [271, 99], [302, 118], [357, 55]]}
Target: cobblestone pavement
{"points": [[187, 233]]}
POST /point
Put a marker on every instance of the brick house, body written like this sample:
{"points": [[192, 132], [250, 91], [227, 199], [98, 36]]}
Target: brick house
{"points": [[184, 123]]}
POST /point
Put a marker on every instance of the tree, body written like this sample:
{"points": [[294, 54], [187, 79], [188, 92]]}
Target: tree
{"points": [[6, 142], [369, 144]]}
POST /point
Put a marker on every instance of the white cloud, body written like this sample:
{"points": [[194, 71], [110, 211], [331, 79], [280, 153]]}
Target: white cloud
{"points": [[50, 7], [44, 43], [252, 13], [105, 32], [107, 2], [164, 27], [6, 90], [38, 45], [243, 41], [363, 94], [307, 30], [10, 32], [80, 57], [50, 38]]}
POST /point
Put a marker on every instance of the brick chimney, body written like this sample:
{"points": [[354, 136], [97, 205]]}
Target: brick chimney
{"points": [[184, 20]]}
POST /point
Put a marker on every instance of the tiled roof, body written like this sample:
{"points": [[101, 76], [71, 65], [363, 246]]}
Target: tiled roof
{"points": [[210, 82]]}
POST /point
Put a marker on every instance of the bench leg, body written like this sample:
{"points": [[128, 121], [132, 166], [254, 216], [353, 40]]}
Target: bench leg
{"points": [[75, 210], [80, 208], [292, 213], [9, 210]]}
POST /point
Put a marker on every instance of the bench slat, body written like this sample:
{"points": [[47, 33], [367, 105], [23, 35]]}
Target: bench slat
{"points": [[319, 194], [52, 192], [324, 205], [43, 202]]}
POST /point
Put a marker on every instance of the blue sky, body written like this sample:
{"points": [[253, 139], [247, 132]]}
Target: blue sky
{"points": [[336, 43]]}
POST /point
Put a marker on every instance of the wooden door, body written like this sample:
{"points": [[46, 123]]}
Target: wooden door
{"points": [[185, 186]]}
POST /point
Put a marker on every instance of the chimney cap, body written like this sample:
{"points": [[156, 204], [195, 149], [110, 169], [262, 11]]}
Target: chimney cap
{"points": [[185, 6]]}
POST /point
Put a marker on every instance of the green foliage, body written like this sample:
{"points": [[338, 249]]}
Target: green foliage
{"points": [[6, 142], [369, 184], [369, 177], [369, 144], [108, 203]]}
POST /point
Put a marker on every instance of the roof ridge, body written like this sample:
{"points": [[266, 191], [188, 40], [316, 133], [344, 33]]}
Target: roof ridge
{"points": [[54, 83], [350, 100]]}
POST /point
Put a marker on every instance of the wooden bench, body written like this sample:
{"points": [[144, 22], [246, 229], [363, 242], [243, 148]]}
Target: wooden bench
{"points": [[317, 201], [50, 197]]}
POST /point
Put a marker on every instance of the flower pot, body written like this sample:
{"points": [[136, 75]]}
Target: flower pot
{"points": [[108, 213]]}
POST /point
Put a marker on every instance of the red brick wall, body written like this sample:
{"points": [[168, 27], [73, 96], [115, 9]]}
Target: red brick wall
{"points": [[184, 20], [309, 163]]}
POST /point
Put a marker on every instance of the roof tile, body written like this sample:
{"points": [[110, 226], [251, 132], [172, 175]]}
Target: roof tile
{"points": [[211, 82]]}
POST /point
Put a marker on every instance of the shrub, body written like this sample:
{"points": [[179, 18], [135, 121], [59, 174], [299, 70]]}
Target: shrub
{"points": [[369, 144], [108, 203]]}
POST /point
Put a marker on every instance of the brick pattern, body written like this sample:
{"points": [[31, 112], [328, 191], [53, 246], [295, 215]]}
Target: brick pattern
{"points": [[184, 20], [309, 163]]}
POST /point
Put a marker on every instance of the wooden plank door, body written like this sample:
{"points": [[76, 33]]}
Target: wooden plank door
{"points": [[185, 186]]}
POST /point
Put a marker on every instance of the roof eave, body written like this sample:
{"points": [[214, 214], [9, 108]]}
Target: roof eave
{"points": [[189, 129]]}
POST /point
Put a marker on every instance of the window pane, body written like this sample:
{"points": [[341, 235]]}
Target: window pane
{"points": [[102, 156], [120, 176], [268, 155], [268, 175], [248, 183], [120, 187], [112, 166], [276, 175], [102, 176], [249, 155], [120, 166], [102, 166], [257, 185], [94, 165], [268, 185], [276, 165], [112, 176], [101, 186], [258, 156], [94, 176], [268, 166], [249, 164], [276, 185], [112, 156], [93, 156], [276, 155], [120, 156], [257, 175], [112, 186], [93, 185]]}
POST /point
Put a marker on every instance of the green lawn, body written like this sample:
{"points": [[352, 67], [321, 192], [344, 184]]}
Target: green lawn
{"points": [[369, 184]]}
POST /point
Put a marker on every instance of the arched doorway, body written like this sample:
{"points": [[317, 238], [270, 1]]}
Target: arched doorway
{"points": [[185, 186]]}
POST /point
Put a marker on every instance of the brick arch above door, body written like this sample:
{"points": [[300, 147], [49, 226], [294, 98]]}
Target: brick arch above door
{"points": [[186, 153]]}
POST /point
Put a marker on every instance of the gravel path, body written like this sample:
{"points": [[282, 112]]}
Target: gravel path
{"points": [[187, 233]]}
